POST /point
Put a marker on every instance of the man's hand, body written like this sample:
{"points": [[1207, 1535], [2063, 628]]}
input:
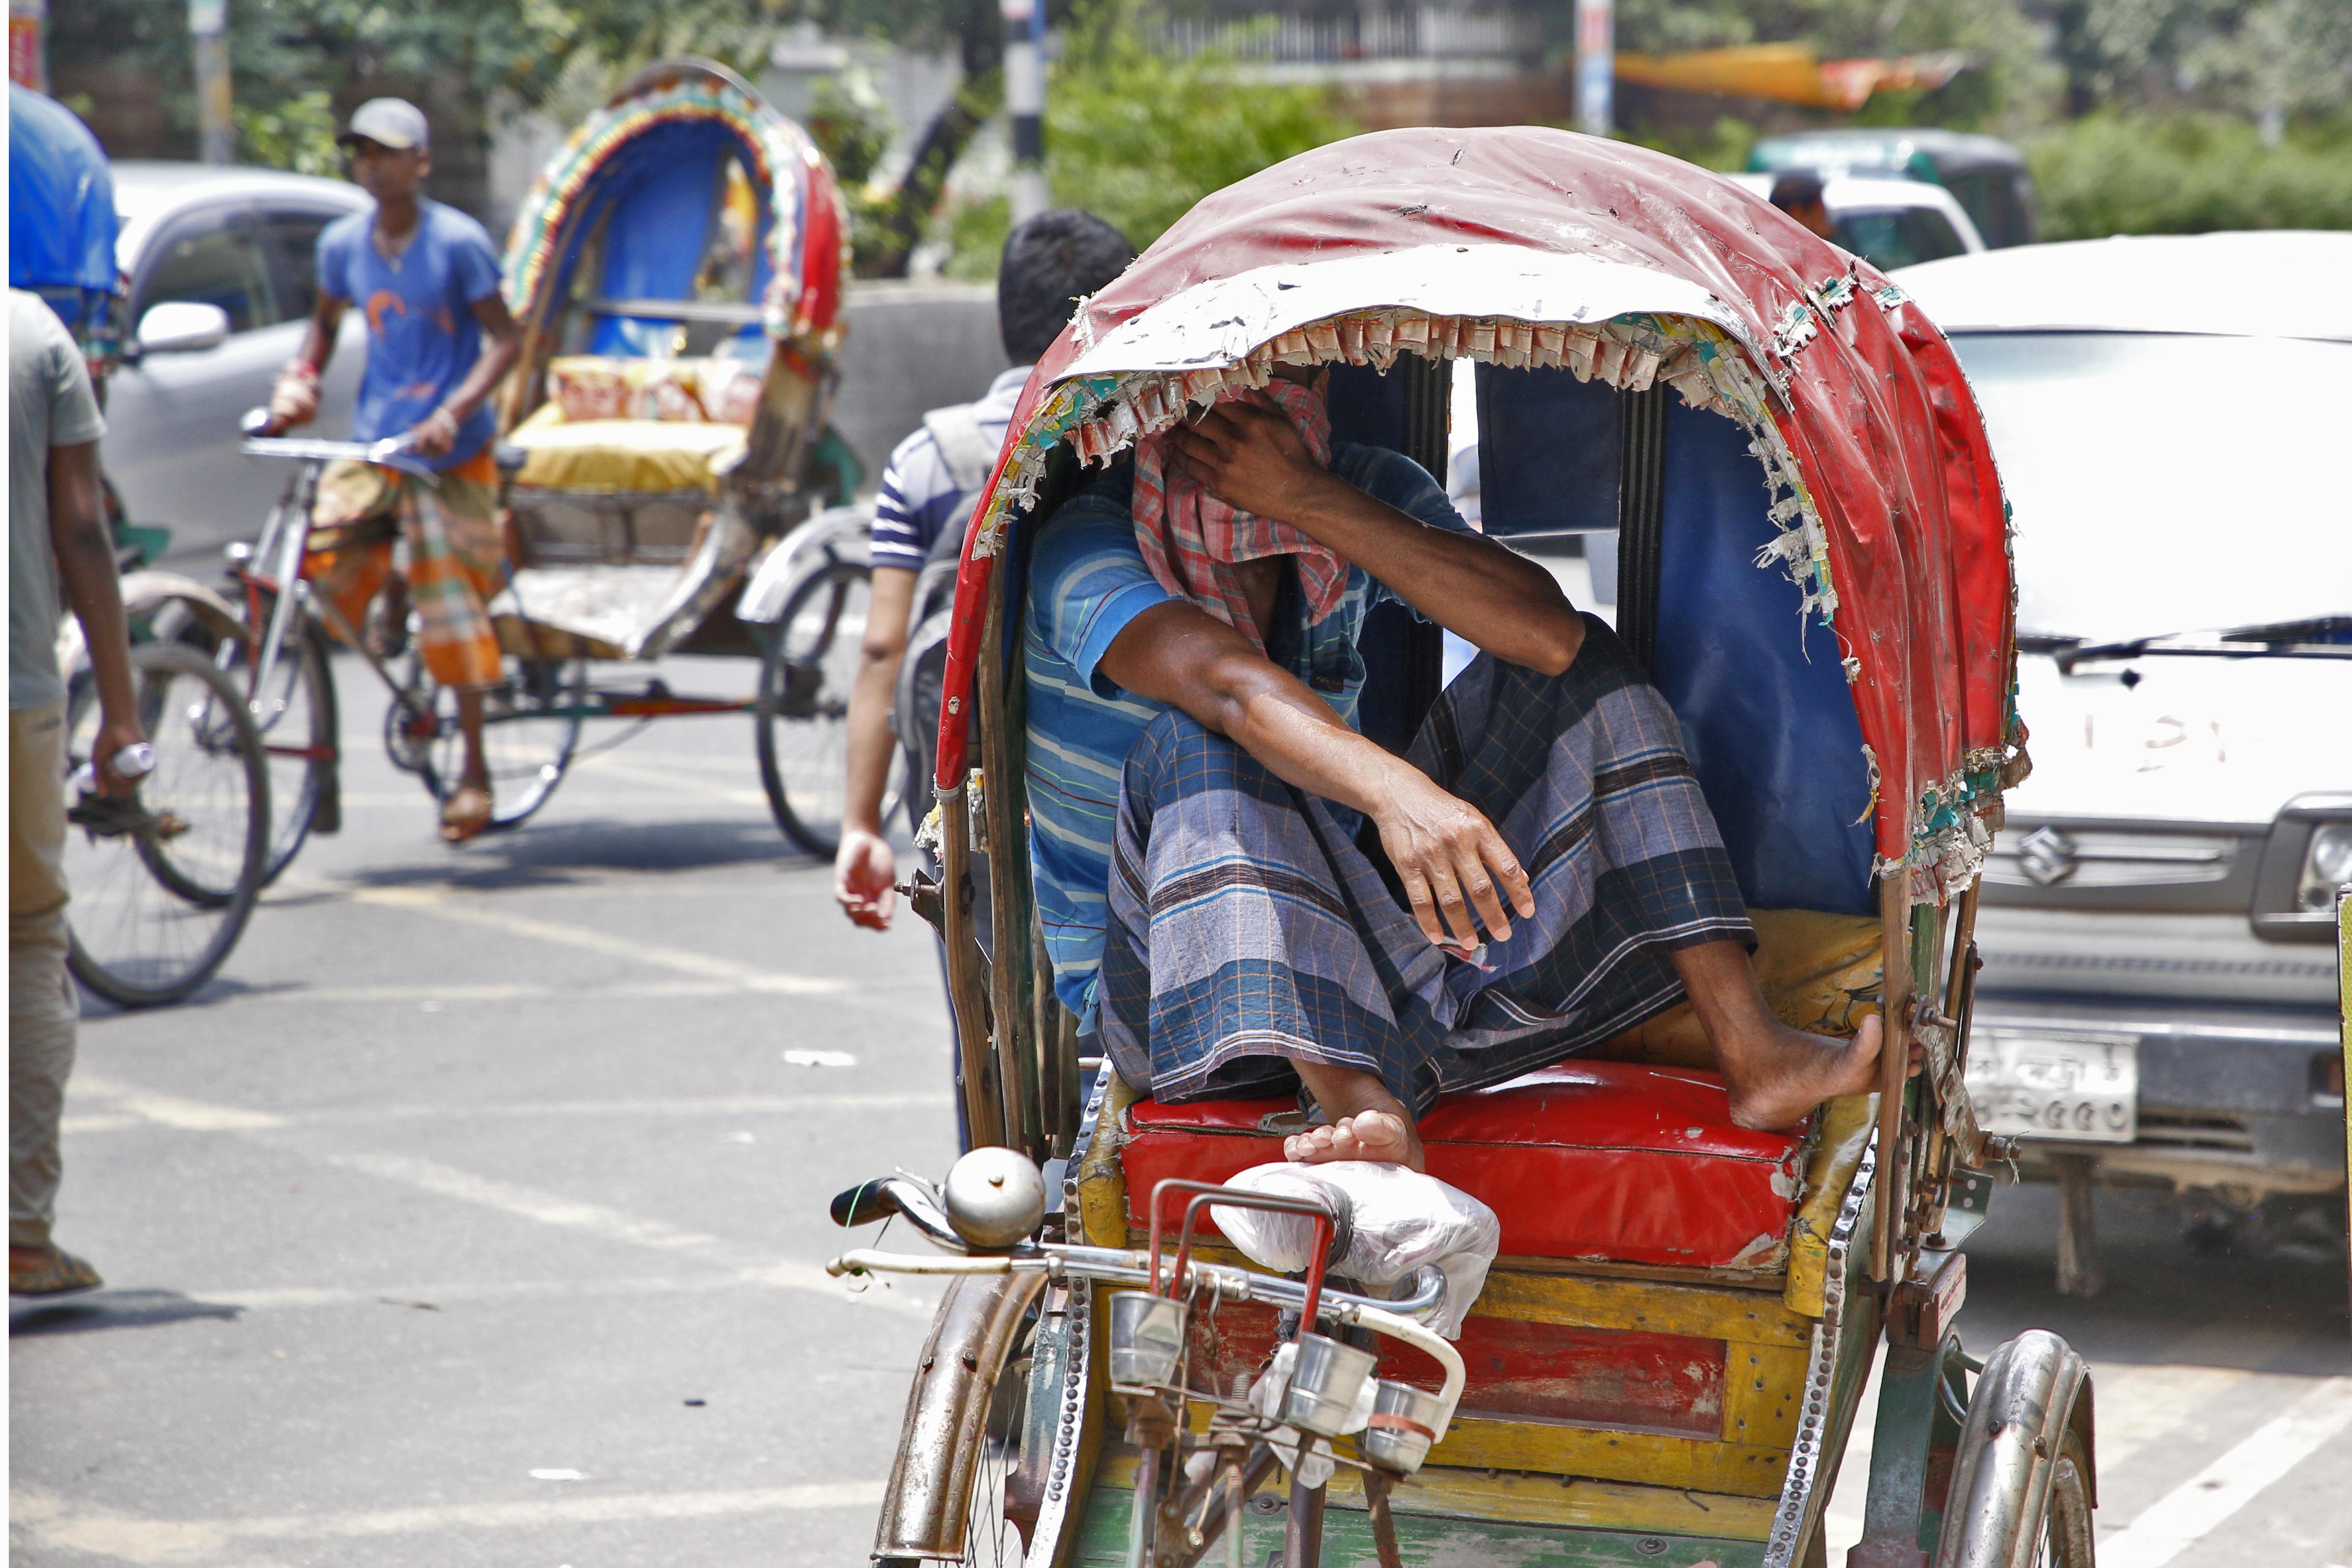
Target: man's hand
{"points": [[432, 435], [116, 733], [1250, 457], [1450, 861], [865, 874]]}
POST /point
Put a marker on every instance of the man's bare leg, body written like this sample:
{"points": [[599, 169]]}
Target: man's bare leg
{"points": [[1367, 1122], [1777, 1075], [468, 810]]}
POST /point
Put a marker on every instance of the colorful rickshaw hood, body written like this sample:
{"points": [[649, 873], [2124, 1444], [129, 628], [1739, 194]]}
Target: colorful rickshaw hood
{"points": [[1530, 247], [808, 228]]}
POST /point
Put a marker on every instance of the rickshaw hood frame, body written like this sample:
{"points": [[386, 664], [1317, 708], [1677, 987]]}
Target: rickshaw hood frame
{"points": [[1865, 413]]}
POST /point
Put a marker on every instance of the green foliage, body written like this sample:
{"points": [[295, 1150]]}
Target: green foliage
{"points": [[1138, 137], [2189, 174], [1725, 145], [849, 122], [298, 133]]}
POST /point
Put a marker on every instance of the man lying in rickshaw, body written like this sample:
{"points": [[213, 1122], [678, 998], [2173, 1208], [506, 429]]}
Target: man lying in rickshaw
{"points": [[1240, 892]]}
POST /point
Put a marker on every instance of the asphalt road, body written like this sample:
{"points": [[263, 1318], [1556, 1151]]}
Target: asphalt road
{"points": [[475, 1216]]}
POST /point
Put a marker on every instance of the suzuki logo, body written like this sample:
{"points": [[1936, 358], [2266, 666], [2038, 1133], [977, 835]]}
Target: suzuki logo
{"points": [[2047, 856]]}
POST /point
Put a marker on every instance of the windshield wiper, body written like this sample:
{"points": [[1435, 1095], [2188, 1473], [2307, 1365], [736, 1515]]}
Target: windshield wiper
{"points": [[2313, 637]]}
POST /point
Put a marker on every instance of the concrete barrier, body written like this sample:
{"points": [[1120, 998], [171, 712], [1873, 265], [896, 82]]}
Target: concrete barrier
{"points": [[911, 346]]}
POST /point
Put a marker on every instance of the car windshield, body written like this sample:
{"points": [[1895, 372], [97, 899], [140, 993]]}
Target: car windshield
{"points": [[2165, 483], [1889, 237]]}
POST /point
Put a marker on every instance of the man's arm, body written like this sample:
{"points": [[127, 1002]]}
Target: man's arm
{"points": [[295, 400], [1502, 602], [865, 871], [438, 431], [1448, 855], [86, 570]]}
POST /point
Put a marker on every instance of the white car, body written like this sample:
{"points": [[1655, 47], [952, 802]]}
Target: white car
{"points": [[1888, 223], [2158, 998], [220, 268]]}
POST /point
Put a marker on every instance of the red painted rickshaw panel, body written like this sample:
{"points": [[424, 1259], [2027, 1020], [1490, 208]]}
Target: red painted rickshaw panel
{"points": [[1877, 412], [1595, 1160], [1672, 1383]]}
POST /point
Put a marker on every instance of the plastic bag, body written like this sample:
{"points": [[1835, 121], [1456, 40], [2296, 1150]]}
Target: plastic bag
{"points": [[1402, 1220]]}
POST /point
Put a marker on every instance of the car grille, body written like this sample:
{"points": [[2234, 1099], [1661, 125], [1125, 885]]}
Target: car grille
{"points": [[2215, 1132], [2051, 856]]}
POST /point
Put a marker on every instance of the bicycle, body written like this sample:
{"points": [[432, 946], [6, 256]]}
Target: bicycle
{"points": [[164, 877], [530, 721]]}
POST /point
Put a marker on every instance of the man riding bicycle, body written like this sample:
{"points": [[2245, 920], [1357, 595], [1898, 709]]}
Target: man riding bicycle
{"points": [[439, 339]]}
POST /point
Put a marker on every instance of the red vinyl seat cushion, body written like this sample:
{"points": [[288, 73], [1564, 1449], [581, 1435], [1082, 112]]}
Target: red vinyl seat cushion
{"points": [[1611, 1161]]}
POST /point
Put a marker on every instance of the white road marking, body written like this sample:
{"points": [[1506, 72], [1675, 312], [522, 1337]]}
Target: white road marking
{"points": [[186, 1114], [506, 1197], [2208, 1499], [638, 770], [56, 1522], [438, 904], [2132, 1407], [447, 1181], [450, 1293]]}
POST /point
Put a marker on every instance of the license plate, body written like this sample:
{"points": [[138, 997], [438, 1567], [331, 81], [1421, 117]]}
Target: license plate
{"points": [[2082, 1089]]}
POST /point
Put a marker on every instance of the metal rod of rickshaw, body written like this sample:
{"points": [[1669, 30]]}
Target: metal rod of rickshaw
{"points": [[1236, 1197], [1894, 1062]]}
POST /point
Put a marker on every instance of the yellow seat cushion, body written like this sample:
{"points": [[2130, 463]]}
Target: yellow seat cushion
{"points": [[1820, 973], [624, 457]]}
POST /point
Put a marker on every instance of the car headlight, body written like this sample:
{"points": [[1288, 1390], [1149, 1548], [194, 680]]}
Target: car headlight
{"points": [[2327, 868]]}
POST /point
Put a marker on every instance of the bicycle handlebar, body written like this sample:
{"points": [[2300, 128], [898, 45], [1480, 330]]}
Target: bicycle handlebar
{"points": [[393, 452]]}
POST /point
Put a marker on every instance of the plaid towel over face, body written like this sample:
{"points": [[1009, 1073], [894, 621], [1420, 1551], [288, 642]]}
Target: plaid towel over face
{"points": [[1247, 929], [1191, 538]]}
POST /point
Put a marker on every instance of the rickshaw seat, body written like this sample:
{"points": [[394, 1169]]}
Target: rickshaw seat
{"points": [[1626, 1153], [623, 457], [1613, 1160]]}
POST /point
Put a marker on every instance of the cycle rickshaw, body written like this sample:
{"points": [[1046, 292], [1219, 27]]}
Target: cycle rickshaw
{"points": [[1667, 1358], [673, 486]]}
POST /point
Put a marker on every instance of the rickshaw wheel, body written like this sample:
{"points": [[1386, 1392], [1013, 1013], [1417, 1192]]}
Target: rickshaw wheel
{"points": [[801, 718], [2023, 1483], [530, 726], [960, 1490]]}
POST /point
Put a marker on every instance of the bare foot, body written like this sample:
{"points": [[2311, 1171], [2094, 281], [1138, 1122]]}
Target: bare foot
{"points": [[1777, 1075], [1381, 1135]]}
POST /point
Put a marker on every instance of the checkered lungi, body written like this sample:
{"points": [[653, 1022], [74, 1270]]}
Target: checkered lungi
{"points": [[1247, 929], [456, 559]]}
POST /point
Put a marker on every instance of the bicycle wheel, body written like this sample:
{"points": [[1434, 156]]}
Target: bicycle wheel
{"points": [[530, 726], [801, 717], [164, 880], [296, 718]]}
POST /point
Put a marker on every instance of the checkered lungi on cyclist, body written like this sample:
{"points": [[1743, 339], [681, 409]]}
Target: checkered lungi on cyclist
{"points": [[1247, 926], [457, 560]]}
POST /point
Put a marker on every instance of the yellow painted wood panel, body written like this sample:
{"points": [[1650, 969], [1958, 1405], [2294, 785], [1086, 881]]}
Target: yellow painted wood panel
{"points": [[1705, 1311], [1567, 1501], [1763, 1388], [1559, 1449], [1845, 1133]]}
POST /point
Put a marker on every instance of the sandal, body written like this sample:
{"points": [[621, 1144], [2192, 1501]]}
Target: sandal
{"points": [[468, 814], [59, 1274]]}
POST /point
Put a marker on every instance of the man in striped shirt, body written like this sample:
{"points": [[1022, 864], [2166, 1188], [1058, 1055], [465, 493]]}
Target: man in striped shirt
{"points": [[1242, 894]]}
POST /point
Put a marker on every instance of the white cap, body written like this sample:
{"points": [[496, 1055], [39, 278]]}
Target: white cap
{"points": [[393, 122]]}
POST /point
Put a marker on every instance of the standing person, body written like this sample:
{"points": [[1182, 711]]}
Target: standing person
{"points": [[58, 541], [1049, 264], [427, 275]]}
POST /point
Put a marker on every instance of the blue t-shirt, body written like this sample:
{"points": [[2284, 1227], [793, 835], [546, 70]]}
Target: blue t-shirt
{"points": [[1087, 581], [423, 338]]}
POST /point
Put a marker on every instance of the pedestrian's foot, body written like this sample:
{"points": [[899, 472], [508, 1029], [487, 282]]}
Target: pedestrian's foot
{"points": [[467, 813], [1381, 1135], [48, 1272], [1781, 1073]]}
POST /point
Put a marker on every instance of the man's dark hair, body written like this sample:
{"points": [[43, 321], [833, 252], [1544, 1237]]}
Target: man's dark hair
{"points": [[1796, 189], [1050, 263]]}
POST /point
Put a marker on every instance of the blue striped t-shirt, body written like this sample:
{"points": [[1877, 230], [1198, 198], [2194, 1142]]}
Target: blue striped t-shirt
{"points": [[1087, 581]]}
